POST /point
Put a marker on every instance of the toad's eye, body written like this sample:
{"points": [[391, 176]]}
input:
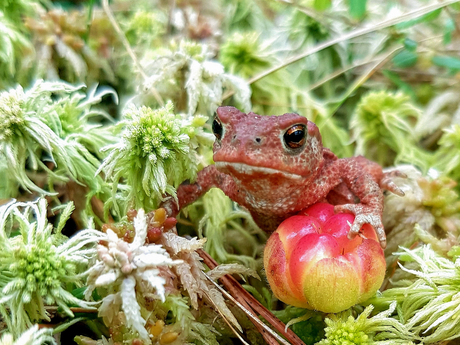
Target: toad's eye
{"points": [[217, 128], [295, 136]]}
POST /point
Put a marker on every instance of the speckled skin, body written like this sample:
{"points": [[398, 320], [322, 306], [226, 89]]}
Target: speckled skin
{"points": [[255, 168]]}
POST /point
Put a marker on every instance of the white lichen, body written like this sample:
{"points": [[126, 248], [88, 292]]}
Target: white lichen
{"points": [[130, 270], [33, 336]]}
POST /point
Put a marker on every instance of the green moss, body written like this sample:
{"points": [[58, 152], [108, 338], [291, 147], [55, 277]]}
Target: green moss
{"points": [[155, 155], [382, 127], [346, 329]]}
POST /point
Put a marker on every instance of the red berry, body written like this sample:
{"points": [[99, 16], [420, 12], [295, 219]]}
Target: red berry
{"points": [[154, 234], [169, 223]]}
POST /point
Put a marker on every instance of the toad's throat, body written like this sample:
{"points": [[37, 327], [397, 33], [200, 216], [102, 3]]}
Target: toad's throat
{"points": [[248, 170]]}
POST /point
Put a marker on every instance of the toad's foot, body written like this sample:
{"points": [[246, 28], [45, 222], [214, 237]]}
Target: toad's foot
{"points": [[364, 215], [387, 181]]}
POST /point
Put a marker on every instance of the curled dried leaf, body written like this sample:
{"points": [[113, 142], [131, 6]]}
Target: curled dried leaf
{"points": [[222, 270]]}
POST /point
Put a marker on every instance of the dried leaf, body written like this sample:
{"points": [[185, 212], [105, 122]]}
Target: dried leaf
{"points": [[224, 269], [180, 244]]}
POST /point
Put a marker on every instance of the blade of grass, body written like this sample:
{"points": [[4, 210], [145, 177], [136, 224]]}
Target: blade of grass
{"points": [[340, 71], [88, 20], [380, 60], [363, 78], [124, 40]]}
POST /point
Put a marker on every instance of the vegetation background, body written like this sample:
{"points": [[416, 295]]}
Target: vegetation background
{"points": [[105, 108]]}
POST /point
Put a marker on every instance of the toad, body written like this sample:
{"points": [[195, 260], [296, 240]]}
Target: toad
{"points": [[276, 166]]}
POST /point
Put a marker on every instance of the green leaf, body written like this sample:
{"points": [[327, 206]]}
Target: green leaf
{"points": [[410, 44], [79, 292], [449, 62], [62, 327], [310, 331], [405, 59], [423, 19], [357, 8], [321, 5], [394, 77], [449, 27]]}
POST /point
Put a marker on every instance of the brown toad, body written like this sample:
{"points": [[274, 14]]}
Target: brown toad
{"points": [[276, 166]]}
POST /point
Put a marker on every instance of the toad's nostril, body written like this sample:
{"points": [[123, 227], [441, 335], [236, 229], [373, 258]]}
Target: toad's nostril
{"points": [[258, 140], [234, 137]]}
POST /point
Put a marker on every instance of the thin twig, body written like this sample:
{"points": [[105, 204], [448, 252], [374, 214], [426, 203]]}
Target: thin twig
{"points": [[98, 208], [211, 263], [245, 306], [250, 313], [73, 309], [231, 288], [239, 293], [124, 41], [345, 69], [362, 79], [353, 34], [367, 61], [184, 222], [235, 331]]}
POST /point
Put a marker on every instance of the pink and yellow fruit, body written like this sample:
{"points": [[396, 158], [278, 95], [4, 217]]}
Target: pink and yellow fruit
{"points": [[310, 262]]}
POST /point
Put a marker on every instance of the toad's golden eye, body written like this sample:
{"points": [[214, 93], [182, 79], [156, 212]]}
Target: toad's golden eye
{"points": [[217, 128], [295, 136]]}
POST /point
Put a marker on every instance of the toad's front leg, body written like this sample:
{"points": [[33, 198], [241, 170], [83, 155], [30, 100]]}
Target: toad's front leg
{"points": [[362, 184], [188, 193], [370, 208]]}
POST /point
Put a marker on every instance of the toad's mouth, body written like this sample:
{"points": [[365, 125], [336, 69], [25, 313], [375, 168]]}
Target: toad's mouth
{"points": [[246, 169]]}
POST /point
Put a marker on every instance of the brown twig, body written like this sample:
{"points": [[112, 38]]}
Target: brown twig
{"points": [[184, 222], [98, 209], [73, 309], [245, 298], [211, 263], [267, 333]]}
